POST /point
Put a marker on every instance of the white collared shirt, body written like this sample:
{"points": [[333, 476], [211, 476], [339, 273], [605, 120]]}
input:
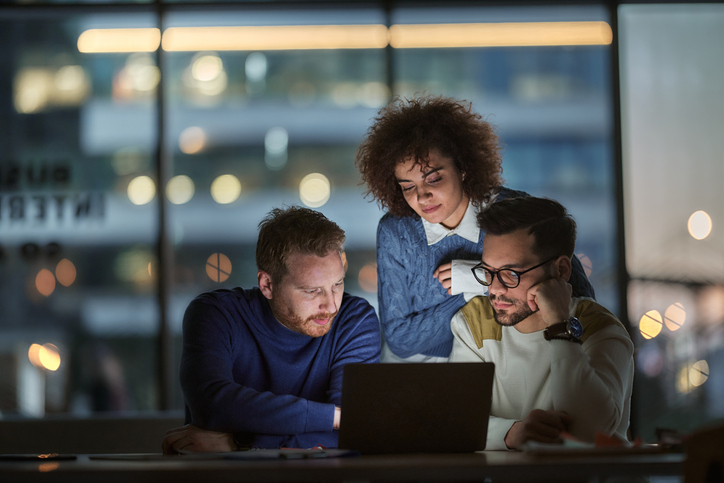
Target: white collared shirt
{"points": [[463, 280]]}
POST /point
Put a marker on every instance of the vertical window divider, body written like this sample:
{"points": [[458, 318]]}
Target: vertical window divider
{"points": [[164, 276], [622, 275]]}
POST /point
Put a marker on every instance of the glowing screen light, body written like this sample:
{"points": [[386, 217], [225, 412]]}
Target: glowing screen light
{"points": [[700, 225], [650, 324], [314, 190], [226, 189], [180, 189], [141, 190]]}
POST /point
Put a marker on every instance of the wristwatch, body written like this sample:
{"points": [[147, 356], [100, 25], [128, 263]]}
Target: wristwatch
{"points": [[570, 330]]}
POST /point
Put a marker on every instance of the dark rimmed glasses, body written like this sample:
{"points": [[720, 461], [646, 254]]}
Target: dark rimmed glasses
{"points": [[507, 277]]}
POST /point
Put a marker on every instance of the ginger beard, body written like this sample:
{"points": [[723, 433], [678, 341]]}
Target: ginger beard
{"points": [[315, 325], [309, 296]]}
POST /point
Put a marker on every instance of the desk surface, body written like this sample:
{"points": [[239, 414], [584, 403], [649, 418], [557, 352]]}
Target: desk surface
{"points": [[499, 466]]}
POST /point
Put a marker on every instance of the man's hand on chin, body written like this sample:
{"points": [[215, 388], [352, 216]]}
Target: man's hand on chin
{"points": [[192, 439], [552, 298]]}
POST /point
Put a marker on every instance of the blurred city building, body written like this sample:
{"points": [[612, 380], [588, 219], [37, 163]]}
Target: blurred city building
{"points": [[142, 143]]}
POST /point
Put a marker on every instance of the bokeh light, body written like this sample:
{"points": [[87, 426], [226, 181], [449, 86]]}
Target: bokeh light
{"points": [[141, 190], [276, 142], [374, 94], [699, 373], [34, 355], [225, 189], [49, 357], [45, 282], [132, 266], [314, 190], [368, 278], [142, 73], [675, 316], [180, 189], [218, 267], [65, 272], [207, 67], [650, 324], [683, 385], [192, 140], [46, 356], [700, 225], [255, 66], [32, 90]]}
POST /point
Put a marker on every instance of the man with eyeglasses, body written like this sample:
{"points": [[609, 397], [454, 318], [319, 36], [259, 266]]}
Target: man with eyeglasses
{"points": [[563, 364]]}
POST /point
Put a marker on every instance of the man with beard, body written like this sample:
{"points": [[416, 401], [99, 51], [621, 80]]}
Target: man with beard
{"points": [[262, 368], [562, 364]]}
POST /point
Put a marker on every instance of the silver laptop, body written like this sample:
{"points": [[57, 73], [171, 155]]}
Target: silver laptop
{"points": [[416, 408]]}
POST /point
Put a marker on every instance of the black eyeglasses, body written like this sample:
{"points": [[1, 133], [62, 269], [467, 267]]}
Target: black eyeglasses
{"points": [[509, 278]]}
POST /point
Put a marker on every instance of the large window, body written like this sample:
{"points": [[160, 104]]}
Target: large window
{"points": [[672, 87], [137, 163]]}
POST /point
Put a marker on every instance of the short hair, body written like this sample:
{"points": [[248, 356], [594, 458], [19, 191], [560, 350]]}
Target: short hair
{"points": [[553, 228], [283, 232], [412, 128]]}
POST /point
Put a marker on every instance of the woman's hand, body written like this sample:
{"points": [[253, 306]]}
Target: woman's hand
{"points": [[443, 274]]}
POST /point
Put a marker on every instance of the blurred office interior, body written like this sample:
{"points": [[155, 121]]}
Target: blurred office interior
{"points": [[143, 141]]}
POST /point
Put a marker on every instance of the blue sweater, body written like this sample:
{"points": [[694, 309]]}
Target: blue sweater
{"points": [[415, 311], [244, 372]]}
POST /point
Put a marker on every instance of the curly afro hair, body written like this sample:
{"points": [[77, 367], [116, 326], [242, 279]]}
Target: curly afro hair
{"points": [[412, 128]]}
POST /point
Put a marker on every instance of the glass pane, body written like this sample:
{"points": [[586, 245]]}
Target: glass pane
{"points": [[78, 303], [551, 104], [672, 89], [257, 125]]}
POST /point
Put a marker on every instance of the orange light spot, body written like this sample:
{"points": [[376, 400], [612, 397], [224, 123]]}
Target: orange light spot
{"points": [[45, 282], [65, 272], [218, 267], [368, 278]]}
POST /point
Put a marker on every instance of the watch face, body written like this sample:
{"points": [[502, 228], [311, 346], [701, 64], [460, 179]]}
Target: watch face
{"points": [[575, 328]]}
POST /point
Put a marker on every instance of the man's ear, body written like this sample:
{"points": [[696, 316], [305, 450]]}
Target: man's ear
{"points": [[564, 267], [265, 283]]}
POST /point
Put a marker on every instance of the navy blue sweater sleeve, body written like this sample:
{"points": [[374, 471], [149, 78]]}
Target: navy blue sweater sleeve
{"points": [[216, 401], [358, 341]]}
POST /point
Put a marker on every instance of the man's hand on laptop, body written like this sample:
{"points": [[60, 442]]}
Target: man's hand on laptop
{"points": [[192, 439], [541, 426]]}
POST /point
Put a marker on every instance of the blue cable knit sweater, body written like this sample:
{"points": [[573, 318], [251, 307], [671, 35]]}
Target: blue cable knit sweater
{"points": [[244, 372], [415, 311]]}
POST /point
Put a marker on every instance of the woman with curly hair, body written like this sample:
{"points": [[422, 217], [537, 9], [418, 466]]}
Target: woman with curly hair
{"points": [[433, 163]]}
